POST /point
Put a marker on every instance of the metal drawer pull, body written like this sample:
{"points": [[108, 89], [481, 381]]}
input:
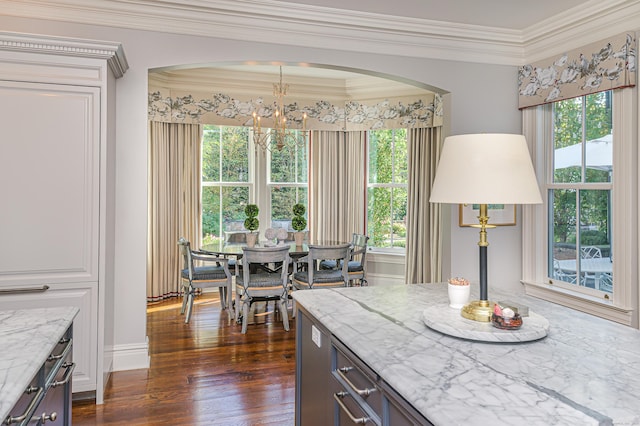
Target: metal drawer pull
{"points": [[29, 411], [24, 290], [357, 420], [362, 392], [67, 375], [47, 417], [66, 349]]}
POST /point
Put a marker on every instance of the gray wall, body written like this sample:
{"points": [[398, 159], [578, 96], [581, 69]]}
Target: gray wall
{"points": [[483, 98]]}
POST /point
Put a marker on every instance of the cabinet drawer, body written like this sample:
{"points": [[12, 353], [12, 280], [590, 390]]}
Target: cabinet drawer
{"points": [[348, 410], [28, 402], [56, 406], [355, 381]]}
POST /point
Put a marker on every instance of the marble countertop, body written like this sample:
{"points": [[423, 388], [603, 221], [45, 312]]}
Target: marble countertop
{"points": [[586, 371], [27, 337]]}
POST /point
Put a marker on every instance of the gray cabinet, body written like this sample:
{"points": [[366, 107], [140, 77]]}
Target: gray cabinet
{"points": [[313, 366], [47, 398], [333, 386]]}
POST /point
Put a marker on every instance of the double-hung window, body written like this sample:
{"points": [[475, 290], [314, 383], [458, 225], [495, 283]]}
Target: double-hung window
{"points": [[287, 183], [387, 189], [579, 189], [227, 180], [580, 247], [235, 174]]}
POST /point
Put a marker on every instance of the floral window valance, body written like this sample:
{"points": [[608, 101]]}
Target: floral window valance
{"points": [[170, 105], [605, 65]]}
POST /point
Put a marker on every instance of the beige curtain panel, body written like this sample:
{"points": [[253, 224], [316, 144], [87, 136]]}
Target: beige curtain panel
{"points": [[605, 65], [337, 185], [424, 219], [174, 209]]}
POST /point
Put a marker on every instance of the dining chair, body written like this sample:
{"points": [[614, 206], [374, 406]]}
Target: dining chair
{"points": [[589, 252], [314, 277], [214, 273], [563, 275], [356, 264], [259, 283]]}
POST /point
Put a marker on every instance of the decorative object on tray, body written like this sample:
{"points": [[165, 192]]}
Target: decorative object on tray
{"points": [[505, 318], [449, 321], [459, 291]]}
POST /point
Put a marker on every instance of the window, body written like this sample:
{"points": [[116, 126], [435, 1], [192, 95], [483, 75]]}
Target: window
{"points": [[288, 176], [579, 193], [226, 180], [234, 174], [585, 205], [387, 189]]}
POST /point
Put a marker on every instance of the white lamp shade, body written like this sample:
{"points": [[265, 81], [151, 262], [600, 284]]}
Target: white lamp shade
{"points": [[485, 169]]}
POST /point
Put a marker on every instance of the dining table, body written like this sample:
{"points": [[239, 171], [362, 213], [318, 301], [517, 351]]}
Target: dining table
{"points": [[235, 250], [596, 267]]}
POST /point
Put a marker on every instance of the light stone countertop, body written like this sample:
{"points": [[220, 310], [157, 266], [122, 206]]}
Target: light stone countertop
{"points": [[586, 371], [27, 337]]}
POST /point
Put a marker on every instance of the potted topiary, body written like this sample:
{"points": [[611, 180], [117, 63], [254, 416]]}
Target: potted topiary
{"points": [[298, 223], [251, 223]]}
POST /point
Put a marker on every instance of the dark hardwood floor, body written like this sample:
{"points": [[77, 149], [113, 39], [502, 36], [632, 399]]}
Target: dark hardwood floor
{"points": [[203, 373]]}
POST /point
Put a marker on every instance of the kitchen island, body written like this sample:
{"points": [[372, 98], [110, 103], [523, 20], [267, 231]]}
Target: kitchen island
{"points": [[586, 371], [36, 356]]}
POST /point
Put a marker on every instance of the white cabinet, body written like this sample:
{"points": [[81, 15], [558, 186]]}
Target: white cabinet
{"points": [[57, 171]]}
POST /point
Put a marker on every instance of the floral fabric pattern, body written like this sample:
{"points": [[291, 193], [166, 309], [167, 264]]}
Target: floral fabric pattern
{"points": [[605, 65], [223, 109]]}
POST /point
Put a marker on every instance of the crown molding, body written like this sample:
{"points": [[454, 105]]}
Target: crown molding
{"points": [[112, 52], [274, 21], [591, 22]]}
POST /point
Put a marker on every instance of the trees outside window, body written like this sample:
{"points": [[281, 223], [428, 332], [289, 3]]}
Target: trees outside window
{"points": [[387, 188], [226, 180], [288, 182], [233, 176], [579, 190]]}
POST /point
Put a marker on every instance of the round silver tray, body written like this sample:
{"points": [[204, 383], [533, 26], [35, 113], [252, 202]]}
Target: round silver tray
{"points": [[448, 321]]}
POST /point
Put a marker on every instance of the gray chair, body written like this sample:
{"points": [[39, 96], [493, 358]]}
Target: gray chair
{"points": [[313, 277], [259, 283], [213, 273], [356, 264]]}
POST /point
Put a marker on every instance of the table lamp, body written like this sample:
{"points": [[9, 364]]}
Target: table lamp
{"points": [[484, 169]]}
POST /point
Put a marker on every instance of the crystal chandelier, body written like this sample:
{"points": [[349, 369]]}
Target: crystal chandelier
{"points": [[278, 137]]}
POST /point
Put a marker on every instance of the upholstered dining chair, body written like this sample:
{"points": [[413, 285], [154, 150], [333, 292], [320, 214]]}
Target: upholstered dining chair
{"points": [[314, 277], [259, 283], [214, 273], [356, 264]]}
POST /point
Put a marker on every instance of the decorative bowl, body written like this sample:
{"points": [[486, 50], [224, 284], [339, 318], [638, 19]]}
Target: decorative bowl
{"points": [[503, 323]]}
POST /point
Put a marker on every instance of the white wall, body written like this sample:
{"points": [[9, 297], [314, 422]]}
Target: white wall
{"points": [[483, 99]]}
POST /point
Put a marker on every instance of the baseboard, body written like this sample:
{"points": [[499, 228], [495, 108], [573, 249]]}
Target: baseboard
{"points": [[131, 357]]}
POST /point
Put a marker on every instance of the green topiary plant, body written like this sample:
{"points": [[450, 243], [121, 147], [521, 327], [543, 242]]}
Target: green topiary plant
{"points": [[299, 223], [251, 222]]}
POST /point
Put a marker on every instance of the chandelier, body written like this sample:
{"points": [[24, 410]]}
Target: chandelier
{"points": [[278, 137]]}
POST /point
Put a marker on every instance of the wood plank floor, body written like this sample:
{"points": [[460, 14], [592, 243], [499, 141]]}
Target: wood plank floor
{"points": [[203, 373]]}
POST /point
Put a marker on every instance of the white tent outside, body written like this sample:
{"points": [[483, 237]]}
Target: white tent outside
{"points": [[598, 154]]}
